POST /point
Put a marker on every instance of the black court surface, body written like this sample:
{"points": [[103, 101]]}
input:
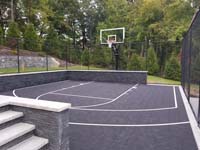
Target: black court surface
{"points": [[112, 116]]}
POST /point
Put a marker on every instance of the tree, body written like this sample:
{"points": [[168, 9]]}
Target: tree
{"points": [[1, 36], [174, 25], [52, 43], [85, 57], [99, 57], [136, 63], [13, 30], [173, 69], [152, 62], [31, 39], [13, 34]]}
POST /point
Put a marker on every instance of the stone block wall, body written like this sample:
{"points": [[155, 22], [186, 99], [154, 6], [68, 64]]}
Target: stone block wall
{"points": [[27, 61]]}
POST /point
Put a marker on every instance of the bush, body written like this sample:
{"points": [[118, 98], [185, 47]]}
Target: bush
{"points": [[136, 63], [13, 34], [85, 58], [152, 62], [52, 43], [100, 57], [31, 39], [173, 69], [1, 36], [13, 30]]}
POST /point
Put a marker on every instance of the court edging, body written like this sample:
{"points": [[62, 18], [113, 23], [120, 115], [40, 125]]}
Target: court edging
{"points": [[190, 114]]}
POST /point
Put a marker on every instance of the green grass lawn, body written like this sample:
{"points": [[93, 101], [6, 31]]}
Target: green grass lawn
{"points": [[159, 80], [22, 70]]}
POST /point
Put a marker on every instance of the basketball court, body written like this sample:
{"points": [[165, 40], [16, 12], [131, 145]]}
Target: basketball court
{"points": [[115, 116]]}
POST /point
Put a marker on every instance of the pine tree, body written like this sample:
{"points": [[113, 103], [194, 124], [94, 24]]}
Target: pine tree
{"points": [[135, 63], [13, 30], [85, 58], [1, 36], [173, 69], [51, 44], [31, 39], [12, 35], [152, 62]]}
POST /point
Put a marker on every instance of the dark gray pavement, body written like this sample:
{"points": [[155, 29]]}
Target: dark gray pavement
{"points": [[110, 116]]}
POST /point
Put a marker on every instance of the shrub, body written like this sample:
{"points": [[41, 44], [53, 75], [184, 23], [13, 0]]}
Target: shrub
{"points": [[99, 57], [13, 34], [51, 44], [136, 63], [13, 30], [85, 58], [1, 36], [173, 69], [152, 62], [31, 39]]}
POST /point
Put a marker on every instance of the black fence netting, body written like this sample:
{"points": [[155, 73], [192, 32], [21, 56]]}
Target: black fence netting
{"points": [[159, 58], [191, 64]]}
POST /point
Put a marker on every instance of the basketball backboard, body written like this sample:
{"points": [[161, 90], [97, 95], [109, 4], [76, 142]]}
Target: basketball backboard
{"points": [[113, 35]]}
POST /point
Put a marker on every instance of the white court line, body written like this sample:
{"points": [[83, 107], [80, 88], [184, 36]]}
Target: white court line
{"points": [[28, 87], [74, 86], [175, 98], [82, 96], [190, 114], [131, 110], [122, 110], [129, 125], [165, 85], [14, 93], [101, 104]]}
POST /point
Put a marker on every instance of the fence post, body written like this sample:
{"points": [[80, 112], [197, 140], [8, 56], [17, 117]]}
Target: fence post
{"points": [[66, 57], [18, 57], [146, 52], [88, 57], [47, 62], [199, 106], [189, 67]]}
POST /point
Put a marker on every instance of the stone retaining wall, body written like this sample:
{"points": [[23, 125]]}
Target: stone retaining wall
{"points": [[130, 77], [27, 61]]}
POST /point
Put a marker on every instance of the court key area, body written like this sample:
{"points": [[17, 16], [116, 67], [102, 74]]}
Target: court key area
{"points": [[115, 116]]}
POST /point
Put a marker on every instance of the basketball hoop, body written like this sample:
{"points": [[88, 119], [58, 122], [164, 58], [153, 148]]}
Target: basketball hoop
{"points": [[110, 42]]}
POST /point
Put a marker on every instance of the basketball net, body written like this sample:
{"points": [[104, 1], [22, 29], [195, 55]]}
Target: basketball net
{"points": [[110, 42]]}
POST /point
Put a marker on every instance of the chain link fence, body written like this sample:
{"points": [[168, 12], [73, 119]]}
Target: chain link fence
{"points": [[191, 65]]}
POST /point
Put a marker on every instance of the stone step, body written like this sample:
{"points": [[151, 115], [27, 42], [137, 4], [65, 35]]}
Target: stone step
{"points": [[15, 131], [9, 116], [33, 143]]}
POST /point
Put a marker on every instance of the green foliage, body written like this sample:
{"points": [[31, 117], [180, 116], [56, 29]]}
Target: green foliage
{"points": [[85, 58], [73, 20], [13, 30], [136, 63], [101, 57], [173, 69], [1, 36], [152, 62], [31, 39], [52, 44]]}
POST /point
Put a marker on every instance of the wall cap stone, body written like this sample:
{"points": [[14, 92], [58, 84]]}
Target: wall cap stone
{"points": [[30, 73], [36, 104], [121, 71]]}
